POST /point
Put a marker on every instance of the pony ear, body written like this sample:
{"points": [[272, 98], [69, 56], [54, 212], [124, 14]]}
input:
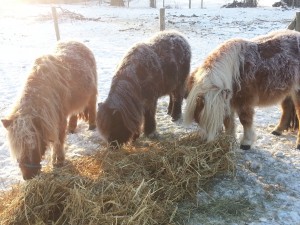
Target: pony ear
{"points": [[6, 122], [226, 93]]}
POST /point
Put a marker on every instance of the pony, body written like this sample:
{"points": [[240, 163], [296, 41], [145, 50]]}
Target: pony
{"points": [[239, 75], [59, 85], [150, 69]]}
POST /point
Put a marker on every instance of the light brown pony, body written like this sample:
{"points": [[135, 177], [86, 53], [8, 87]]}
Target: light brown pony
{"points": [[59, 85], [240, 75]]}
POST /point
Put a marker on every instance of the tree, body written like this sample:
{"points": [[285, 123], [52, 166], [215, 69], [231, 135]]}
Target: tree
{"points": [[251, 3], [243, 3]]}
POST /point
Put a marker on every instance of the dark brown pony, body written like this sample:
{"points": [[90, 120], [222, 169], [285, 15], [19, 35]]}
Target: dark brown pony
{"points": [[59, 85], [240, 75], [148, 71]]}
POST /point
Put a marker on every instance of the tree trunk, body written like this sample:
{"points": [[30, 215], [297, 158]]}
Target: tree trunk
{"points": [[117, 3], [153, 3]]}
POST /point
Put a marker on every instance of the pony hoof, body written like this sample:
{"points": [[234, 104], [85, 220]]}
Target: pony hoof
{"points": [[135, 136], [245, 147], [153, 135], [92, 127], [71, 131], [274, 132], [298, 147], [174, 119], [114, 145], [58, 165]]}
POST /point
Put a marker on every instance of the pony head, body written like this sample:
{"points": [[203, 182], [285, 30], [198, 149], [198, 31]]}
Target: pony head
{"points": [[112, 126], [208, 109], [26, 144], [210, 88]]}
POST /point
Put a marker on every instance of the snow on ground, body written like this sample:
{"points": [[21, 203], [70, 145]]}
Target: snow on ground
{"points": [[267, 177]]}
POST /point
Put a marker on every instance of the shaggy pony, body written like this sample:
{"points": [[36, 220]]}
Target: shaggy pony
{"points": [[148, 71], [240, 75], [59, 85]]}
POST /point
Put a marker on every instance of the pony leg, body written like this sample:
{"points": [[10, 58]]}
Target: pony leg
{"points": [[246, 119], [170, 106], [58, 153], [296, 101], [72, 123], [149, 121], [177, 96], [92, 112], [229, 124], [287, 108]]}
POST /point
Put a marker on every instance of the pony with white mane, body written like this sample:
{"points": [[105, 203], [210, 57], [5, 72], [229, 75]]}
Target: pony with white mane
{"points": [[242, 74], [59, 85]]}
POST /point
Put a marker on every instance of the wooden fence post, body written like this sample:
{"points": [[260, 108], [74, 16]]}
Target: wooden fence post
{"points": [[292, 25], [297, 27], [54, 14], [295, 24], [162, 19]]}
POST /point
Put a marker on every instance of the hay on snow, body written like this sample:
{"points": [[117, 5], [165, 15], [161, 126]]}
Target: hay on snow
{"points": [[137, 184]]}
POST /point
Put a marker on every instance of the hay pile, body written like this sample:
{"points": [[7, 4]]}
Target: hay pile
{"points": [[138, 184]]}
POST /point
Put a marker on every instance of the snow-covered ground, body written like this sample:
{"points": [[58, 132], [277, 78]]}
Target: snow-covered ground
{"points": [[267, 177]]}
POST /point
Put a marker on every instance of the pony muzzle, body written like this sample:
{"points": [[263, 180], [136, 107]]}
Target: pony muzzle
{"points": [[29, 171], [202, 134]]}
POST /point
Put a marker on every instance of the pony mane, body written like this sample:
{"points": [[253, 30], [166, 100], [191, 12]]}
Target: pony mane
{"points": [[32, 125], [214, 81], [125, 94], [125, 99]]}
